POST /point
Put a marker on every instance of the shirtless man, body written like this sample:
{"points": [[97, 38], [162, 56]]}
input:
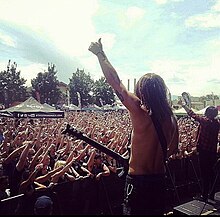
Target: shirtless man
{"points": [[145, 182]]}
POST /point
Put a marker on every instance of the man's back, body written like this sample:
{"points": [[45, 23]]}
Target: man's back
{"points": [[146, 152]]}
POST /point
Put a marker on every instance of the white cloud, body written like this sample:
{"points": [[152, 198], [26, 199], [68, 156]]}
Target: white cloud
{"points": [[213, 47], [67, 23], [216, 7], [204, 21], [162, 2], [30, 71], [193, 75], [3, 66], [7, 40], [131, 17], [135, 13], [166, 68], [210, 19]]}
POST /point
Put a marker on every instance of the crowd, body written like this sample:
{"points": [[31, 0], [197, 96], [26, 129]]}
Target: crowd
{"points": [[188, 133], [35, 156]]}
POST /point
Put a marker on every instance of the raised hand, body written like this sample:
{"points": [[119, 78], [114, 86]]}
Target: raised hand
{"points": [[96, 47], [39, 167], [186, 101]]}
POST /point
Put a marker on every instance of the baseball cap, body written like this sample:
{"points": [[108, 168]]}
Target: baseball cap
{"points": [[43, 205]]}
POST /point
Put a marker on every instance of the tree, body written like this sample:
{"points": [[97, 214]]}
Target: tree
{"points": [[45, 86], [12, 85], [103, 93], [81, 83], [209, 97]]}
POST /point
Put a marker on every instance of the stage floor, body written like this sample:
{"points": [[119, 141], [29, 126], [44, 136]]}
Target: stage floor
{"points": [[196, 207]]}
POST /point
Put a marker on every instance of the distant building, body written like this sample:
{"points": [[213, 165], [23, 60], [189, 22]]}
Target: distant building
{"points": [[197, 103], [63, 87]]}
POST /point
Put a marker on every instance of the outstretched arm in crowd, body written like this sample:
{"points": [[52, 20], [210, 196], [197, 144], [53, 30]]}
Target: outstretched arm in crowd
{"points": [[24, 185], [55, 177], [13, 155], [35, 158], [106, 172], [23, 157], [44, 178], [44, 155], [82, 154]]}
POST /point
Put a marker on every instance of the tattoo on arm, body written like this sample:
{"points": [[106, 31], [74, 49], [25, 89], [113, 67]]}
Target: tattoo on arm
{"points": [[119, 96], [115, 78]]}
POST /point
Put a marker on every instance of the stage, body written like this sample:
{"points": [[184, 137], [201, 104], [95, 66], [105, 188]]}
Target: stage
{"points": [[196, 207]]}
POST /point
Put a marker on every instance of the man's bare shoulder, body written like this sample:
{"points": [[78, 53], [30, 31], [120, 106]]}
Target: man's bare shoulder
{"points": [[131, 102]]}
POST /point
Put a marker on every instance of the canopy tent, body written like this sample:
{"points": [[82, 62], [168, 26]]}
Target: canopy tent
{"points": [[92, 108], [70, 107], [119, 107], [31, 108], [182, 111], [107, 107], [73, 107], [6, 114], [202, 111], [48, 106], [113, 108]]}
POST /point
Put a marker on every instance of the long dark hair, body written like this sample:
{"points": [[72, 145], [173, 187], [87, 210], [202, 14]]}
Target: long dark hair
{"points": [[155, 96]]}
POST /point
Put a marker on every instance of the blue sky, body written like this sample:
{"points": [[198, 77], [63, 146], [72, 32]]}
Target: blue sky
{"points": [[177, 39]]}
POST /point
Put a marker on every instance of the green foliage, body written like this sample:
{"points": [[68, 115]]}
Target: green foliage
{"points": [[82, 83], [45, 85], [12, 85], [209, 97], [103, 92]]}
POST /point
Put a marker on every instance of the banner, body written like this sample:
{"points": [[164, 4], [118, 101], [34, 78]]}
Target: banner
{"points": [[79, 100]]}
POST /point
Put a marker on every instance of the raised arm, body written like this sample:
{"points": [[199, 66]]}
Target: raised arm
{"points": [[129, 100], [23, 157], [190, 112], [13, 154]]}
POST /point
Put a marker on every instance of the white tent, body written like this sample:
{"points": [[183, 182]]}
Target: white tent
{"points": [[119, 107], [107, 107], [202, 111], [93, 107], [182, 111], [31, 108], [73, 107]]}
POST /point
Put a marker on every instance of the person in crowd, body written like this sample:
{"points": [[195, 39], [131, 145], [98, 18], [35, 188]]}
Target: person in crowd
{"points": [[145, 182], [4, 184], [43, 206], [4, 194], [20, 168], [207, 141]]}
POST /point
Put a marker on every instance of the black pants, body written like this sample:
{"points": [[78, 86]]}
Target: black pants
{"points": [[207, 161], [144, 195]]}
